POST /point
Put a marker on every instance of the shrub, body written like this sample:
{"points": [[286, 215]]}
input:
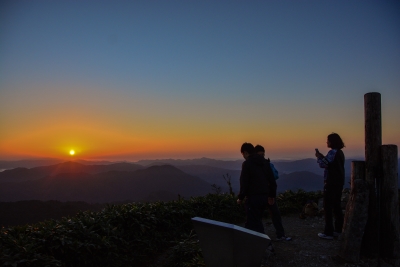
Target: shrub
{"points": [[186, 253], [119, 235], [129, 234], [293, 202]]}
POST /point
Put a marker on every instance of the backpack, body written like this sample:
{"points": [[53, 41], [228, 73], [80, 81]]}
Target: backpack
{"points": [[275, 171]]}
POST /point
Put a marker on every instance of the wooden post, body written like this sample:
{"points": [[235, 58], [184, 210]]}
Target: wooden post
{"points": [[373, 143], [389, 205], [373, 135], [356, 214]]}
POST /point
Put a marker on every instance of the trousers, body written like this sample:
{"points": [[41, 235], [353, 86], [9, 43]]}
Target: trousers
{"points": [[255, 207], [332, 207], [276, 219]]}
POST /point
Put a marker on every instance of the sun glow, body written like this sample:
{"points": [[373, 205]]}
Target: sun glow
{"points": [[72, 152]]}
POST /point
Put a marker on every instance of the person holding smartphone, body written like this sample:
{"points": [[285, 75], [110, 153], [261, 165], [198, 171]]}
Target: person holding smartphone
{"points": [[333, 163]]}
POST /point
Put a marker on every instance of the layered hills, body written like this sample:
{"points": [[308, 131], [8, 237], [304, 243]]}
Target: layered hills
{"points": [[99, 183], [24, 174], [31, 191], [147, 180]]}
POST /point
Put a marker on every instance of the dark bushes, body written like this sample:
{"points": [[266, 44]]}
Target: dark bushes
{"points": [[123, 235], [129, 234]]}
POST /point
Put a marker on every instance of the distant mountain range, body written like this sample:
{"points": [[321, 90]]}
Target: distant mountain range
{"points": [[283, 166], [149, 184], [23, 174], [31, 163], [297, 180], [146, 180], [214, 175], [224, 164]]}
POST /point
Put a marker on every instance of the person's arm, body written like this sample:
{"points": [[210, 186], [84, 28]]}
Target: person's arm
{"points": [[325, 161], [274, 171], [244, 182], [272, 186]]}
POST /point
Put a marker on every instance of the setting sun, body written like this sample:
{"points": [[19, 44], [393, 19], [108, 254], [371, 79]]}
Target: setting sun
{"points": [[72, 152]]}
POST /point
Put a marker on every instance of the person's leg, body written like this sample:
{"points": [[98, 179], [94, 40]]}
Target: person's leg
{"points": [[276, 219], [337, 209], [255, 206], [328, 209]]}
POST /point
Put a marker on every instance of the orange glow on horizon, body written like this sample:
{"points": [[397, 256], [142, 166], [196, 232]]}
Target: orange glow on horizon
{"points": [[105, 139]]}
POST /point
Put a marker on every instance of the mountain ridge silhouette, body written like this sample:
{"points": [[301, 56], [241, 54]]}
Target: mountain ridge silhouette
{"points": [[109, 186]]}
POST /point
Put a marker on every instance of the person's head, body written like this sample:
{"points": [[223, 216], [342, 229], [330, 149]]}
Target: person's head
{"points": [[334, 141], [259, 149], [247, 149]]}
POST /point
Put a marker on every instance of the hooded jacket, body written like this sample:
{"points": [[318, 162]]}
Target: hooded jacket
{"points": [[257, 178], [333, 163]]}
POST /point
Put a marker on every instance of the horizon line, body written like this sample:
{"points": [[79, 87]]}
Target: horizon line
{"points": [[160, 159]]}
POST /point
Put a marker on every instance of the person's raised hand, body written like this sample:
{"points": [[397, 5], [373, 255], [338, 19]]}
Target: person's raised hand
{"points": [[319, 155]]}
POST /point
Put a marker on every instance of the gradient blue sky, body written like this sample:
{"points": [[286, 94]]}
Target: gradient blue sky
{"points": [[132, 80]]}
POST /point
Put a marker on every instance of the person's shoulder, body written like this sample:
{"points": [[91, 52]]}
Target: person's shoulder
{"points": [[257, 160], [333, 151], [336, 151], [246, 162]]}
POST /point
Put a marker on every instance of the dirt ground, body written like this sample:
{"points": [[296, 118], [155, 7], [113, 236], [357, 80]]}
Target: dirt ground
{"points": [[306, 248]]}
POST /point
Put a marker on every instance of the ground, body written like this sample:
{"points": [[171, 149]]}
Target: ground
{"points": [[306, 248]]}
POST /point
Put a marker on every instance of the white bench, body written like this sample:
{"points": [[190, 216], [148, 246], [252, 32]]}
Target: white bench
{"points": [[225, 244]]}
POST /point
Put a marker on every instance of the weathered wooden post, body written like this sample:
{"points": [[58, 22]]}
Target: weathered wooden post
{"points": [[356, 214], [377, 211], [373, 143], [389, 207]]}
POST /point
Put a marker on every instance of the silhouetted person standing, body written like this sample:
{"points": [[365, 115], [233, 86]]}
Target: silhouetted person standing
{"points": [[257, 185], [333, 163], [273, 209]]}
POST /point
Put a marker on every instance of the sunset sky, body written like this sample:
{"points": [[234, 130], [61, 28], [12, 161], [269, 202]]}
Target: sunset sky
{"points": [[131, 80]]}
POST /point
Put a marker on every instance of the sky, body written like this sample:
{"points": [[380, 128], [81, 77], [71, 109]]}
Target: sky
{"points": [[132, 80]]}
